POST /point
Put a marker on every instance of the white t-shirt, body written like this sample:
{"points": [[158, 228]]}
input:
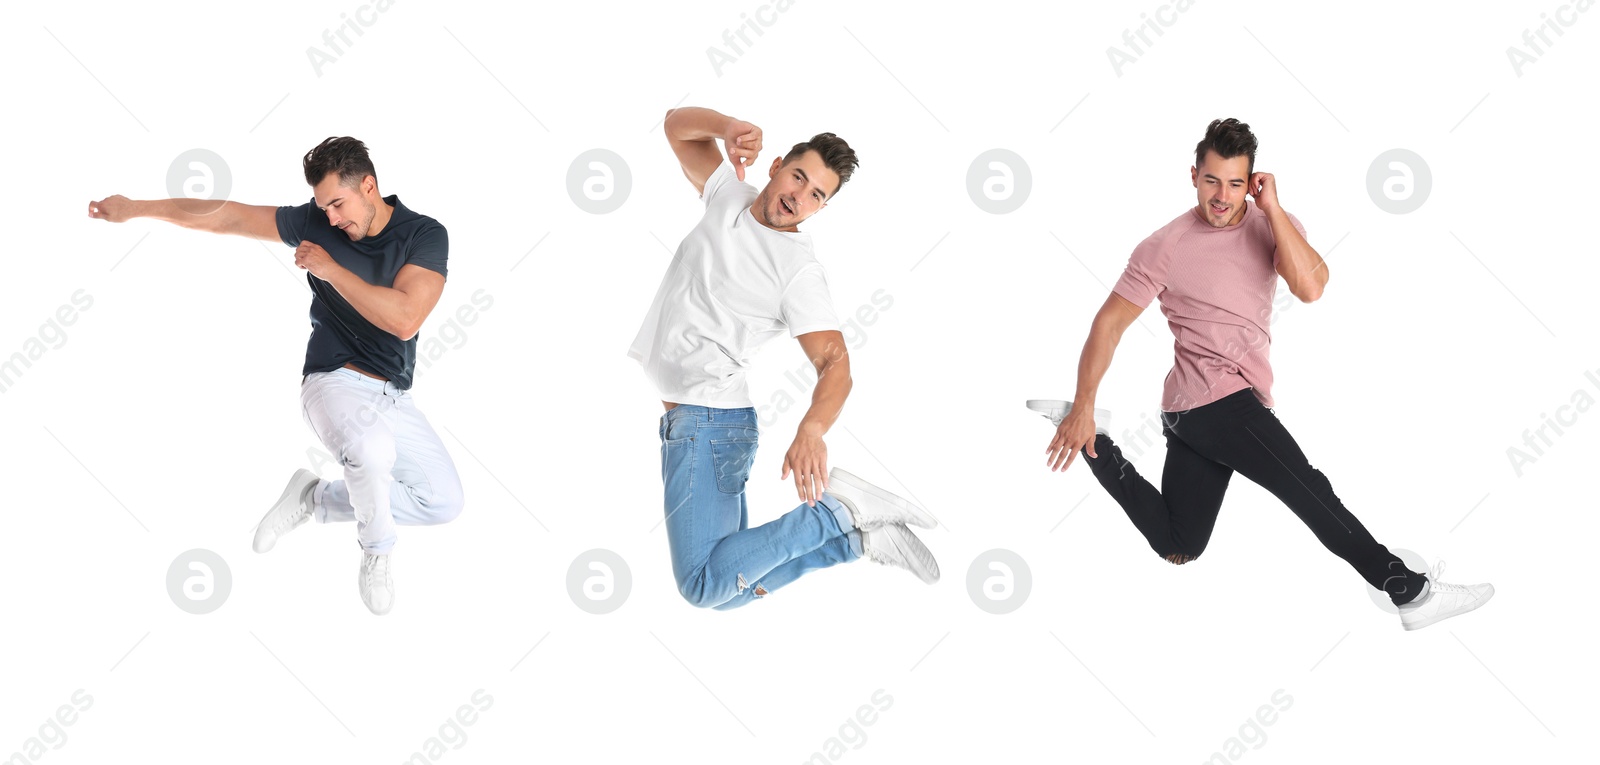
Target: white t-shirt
{"points": [[733, 285]]}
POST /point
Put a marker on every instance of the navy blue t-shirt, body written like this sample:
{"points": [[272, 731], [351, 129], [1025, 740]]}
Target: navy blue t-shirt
{"points": [[339, 333]]}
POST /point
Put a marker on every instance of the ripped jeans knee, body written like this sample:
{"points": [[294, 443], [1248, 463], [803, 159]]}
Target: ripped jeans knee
{"points": [[743, 585]]}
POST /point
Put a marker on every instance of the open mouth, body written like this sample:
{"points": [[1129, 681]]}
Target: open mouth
{"points": [[1219, 210], [785, 207]]}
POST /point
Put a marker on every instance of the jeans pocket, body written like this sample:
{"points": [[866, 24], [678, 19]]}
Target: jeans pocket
{"points": [[731, 459]]}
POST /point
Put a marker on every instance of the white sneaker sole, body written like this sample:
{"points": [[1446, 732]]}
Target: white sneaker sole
{"points": [[913, 555], [919, 517], [1439, 617], [1055, 410]]}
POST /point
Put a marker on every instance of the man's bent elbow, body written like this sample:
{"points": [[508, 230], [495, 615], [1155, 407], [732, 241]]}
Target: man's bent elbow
{"points": [[408, 331], [1310, 293]]}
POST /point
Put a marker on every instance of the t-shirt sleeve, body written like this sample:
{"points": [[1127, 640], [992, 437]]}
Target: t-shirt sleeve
{"points": [[430, 249], [807, 305], [720, 179], [1142, 280], [294, 221]]}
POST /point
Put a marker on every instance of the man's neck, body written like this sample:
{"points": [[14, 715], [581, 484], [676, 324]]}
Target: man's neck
{"points": [[758, 217], [381, 219]]}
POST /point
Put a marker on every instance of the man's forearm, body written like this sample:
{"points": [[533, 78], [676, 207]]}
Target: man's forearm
{"points": [[385, 307], [197, 214], [827, 399], [1092, 365], [1302, 268], [696, 123]]}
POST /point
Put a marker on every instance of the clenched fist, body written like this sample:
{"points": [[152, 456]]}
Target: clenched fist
{"points": [[115, 208], [313, 258]]}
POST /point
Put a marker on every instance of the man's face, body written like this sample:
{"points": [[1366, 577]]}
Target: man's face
{"points": [[795, 191], [349, 210], [1220, 185]]}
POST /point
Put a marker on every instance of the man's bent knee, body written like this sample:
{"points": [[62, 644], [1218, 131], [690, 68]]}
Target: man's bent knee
{"points": [[443, 504]]}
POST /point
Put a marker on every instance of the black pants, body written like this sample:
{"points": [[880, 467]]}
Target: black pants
{"points": [[1205, 445]]}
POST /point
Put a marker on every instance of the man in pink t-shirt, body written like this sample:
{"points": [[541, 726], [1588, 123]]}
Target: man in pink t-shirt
{"points": [[1215, 270]]}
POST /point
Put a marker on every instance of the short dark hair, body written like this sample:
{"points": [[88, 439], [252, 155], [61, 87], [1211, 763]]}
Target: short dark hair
{"points": [[1228, 138], [343, 155], [835, 153]]}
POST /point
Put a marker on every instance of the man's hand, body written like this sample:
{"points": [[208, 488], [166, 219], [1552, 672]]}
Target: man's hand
{"points": [[313, 258], [808, 459], [743, 141], [116, 208], [1265, 189], [1075, 432]]}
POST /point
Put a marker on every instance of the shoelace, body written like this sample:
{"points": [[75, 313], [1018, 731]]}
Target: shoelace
{"points": [[378, 568], [1437, 586], [302, 509]]}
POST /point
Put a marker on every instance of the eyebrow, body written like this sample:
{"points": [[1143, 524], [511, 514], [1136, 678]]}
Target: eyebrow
{"points": [[330, 202], [1215, 178], [808, 180]]}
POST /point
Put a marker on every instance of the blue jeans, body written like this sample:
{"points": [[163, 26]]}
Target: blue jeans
{"points": [[720, 562]]}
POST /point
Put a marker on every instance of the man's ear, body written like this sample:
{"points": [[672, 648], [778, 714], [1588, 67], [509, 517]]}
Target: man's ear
{"points": [[1194, 176], [777, 163]]}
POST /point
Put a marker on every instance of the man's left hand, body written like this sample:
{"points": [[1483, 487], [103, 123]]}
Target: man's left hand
{"points": [[1265, 190], [313, 258], [807, 458]]}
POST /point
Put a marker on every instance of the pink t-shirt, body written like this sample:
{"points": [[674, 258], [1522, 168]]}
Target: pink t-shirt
{"points": [[1216, 287]]}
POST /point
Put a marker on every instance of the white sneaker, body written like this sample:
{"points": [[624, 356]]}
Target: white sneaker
{"points": [[895, 545], [1442, 600], [292, 509], [1055, 410], [871, 507], [377, 585]]}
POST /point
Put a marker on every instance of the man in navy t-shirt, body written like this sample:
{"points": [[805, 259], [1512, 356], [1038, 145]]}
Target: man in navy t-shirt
{"points": [[376, 270]]}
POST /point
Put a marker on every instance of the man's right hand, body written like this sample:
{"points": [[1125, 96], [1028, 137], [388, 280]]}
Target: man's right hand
{"points": [[115, 208], [743, 142], [1075, 432]]}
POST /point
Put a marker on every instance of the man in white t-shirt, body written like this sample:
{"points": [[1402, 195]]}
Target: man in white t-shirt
{"points": [[743, 276]]}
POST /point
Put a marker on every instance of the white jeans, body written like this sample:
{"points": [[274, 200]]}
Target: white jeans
{"points": [[396, 470]]}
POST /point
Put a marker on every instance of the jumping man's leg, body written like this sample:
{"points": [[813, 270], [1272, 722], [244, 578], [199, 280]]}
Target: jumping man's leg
{"points": [[842, 549], [354, 418], [1177, 520], [426, 490], [706, 455], [1261, 449]]}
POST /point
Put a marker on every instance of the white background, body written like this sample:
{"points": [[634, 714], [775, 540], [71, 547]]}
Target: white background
{"points": [[168, 419]]}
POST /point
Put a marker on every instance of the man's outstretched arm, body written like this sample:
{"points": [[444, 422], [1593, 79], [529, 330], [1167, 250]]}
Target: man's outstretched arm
{"points": [[398, 310], [807, 457], [693, 132], [254, 221]]}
